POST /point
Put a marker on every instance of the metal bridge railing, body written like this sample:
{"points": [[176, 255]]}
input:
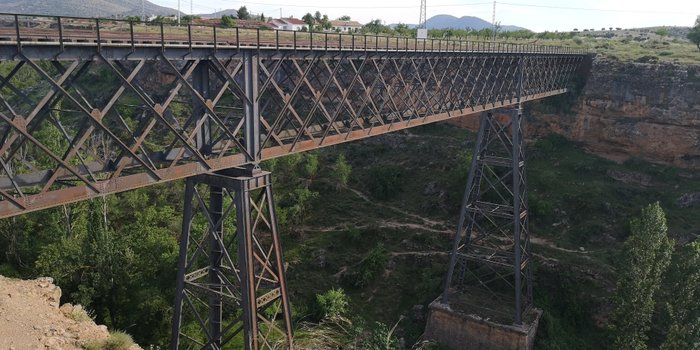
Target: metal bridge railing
{"points": [[37, 30]]}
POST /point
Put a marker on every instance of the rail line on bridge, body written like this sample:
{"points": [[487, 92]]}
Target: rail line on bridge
{"points": [[90, 107]]}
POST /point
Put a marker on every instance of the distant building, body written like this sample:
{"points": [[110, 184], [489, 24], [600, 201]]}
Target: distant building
{"points": [[346, 26], [240, 23], [287, 24]]}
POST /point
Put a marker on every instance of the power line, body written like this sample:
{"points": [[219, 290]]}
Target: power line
{"points": [[590, 9], [364, 7]]}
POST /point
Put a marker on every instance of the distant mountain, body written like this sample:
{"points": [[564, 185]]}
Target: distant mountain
{"points": [[228, 12], [449, 21], [84, 8]]}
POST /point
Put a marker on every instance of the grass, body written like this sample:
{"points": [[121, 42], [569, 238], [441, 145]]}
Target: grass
{"points": [[79, 314], [117, 341]]}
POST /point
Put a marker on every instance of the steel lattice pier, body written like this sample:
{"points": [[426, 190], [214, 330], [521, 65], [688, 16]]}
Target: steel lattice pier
{"points": [[491, 255]]}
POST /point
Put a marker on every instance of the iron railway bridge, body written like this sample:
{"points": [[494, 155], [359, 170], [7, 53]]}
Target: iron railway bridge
{"points": [[91, 107]]}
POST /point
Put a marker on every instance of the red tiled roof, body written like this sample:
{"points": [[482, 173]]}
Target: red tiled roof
{"points": [[294, 21], [338, 23]]}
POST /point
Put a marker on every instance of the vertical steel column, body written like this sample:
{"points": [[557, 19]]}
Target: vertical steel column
{"points": [[518, 164], [279, 256], [181, 265], [247, 270], [200, 81], [216, 239], [252, 106]]}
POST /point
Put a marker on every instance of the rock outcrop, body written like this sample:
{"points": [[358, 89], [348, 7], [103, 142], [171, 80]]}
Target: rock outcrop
{"points": [[30, 318], [646, 111], [629, 110]]}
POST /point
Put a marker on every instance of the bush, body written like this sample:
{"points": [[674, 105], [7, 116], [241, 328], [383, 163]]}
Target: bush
{"points": [[119, 341], [368, 269], [341, 172], [332, 304]]}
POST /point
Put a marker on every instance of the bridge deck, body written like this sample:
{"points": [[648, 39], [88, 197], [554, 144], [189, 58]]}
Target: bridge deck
{"points": [[88, 111], [37, 30]]}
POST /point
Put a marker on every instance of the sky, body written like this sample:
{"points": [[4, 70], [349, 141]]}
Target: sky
{"points": [[537, 15]]}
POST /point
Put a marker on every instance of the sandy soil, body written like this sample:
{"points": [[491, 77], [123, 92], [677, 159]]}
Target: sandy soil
{"points": [[30, 318]]}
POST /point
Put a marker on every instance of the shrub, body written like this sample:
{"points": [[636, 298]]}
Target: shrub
{"points": [[368, 269], [333, 303], [119, 341]]}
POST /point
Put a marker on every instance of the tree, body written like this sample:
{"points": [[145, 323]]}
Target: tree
{"points": [[683, 300], [309, 20], [694, 34], [228, 21], [662, 32], [243, 13], [375, 26], [645, 257], [341, 172], [344, 18], [262, 17]]}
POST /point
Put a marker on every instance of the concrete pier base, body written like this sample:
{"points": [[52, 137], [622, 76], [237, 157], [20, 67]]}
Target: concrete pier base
{"points": [[462, 330]]}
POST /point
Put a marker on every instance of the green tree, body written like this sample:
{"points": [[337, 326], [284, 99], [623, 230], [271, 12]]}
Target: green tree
{"points": [[403, 30], [243, 13], [375, 26], [344, 18], [662, 32], [694, 34], [333, 304], [341, 172], [309, 20], [189, 18], [228, 21], [645, 257], [683, 300]]}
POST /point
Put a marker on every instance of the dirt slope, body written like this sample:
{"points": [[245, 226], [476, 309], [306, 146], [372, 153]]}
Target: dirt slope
{"points": [[30, 318]]}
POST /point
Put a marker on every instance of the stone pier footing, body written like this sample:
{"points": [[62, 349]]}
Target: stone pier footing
{"points": [[460, 330]]}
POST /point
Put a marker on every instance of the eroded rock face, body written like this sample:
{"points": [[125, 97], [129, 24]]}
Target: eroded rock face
{"points": [[647, 111]]}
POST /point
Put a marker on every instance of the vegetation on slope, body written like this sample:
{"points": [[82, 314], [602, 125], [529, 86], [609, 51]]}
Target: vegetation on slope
{"points": [[376, 224]]}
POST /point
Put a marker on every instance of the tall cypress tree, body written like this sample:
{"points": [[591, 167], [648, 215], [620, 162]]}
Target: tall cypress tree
{"points": [[645, 258]]}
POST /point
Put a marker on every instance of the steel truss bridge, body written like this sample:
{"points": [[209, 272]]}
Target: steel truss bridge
{"points": [[90, 107]]}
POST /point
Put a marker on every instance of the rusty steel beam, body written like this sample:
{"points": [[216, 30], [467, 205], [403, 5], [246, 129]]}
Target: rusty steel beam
{"points": [[159, 117]]}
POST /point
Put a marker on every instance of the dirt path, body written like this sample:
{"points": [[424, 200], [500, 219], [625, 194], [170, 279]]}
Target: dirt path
{"points": [[398, 210]]}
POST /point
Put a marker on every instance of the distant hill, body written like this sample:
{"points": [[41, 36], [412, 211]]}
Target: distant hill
{"points": [[449, 21], [228, 12], [84, 8]]}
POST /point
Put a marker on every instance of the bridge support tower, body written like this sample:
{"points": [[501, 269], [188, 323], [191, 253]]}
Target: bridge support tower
{"points": [[231, 285], [487, 297]]}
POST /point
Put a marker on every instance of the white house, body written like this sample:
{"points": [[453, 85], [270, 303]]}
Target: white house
{"points": [[287, 24], [346, 26]]}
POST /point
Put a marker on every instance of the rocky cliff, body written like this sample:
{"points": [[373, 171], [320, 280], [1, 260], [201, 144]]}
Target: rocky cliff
{"points": [[625, 110], [30, 318]]}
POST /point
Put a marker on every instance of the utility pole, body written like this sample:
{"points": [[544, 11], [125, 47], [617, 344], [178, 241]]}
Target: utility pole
{"points": [[191, 8], [493, 20], [143, 11], [422, 32], [178, 12]]}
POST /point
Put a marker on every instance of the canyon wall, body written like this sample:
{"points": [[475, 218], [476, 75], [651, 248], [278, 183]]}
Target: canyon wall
{"points": [[628, 110]]}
